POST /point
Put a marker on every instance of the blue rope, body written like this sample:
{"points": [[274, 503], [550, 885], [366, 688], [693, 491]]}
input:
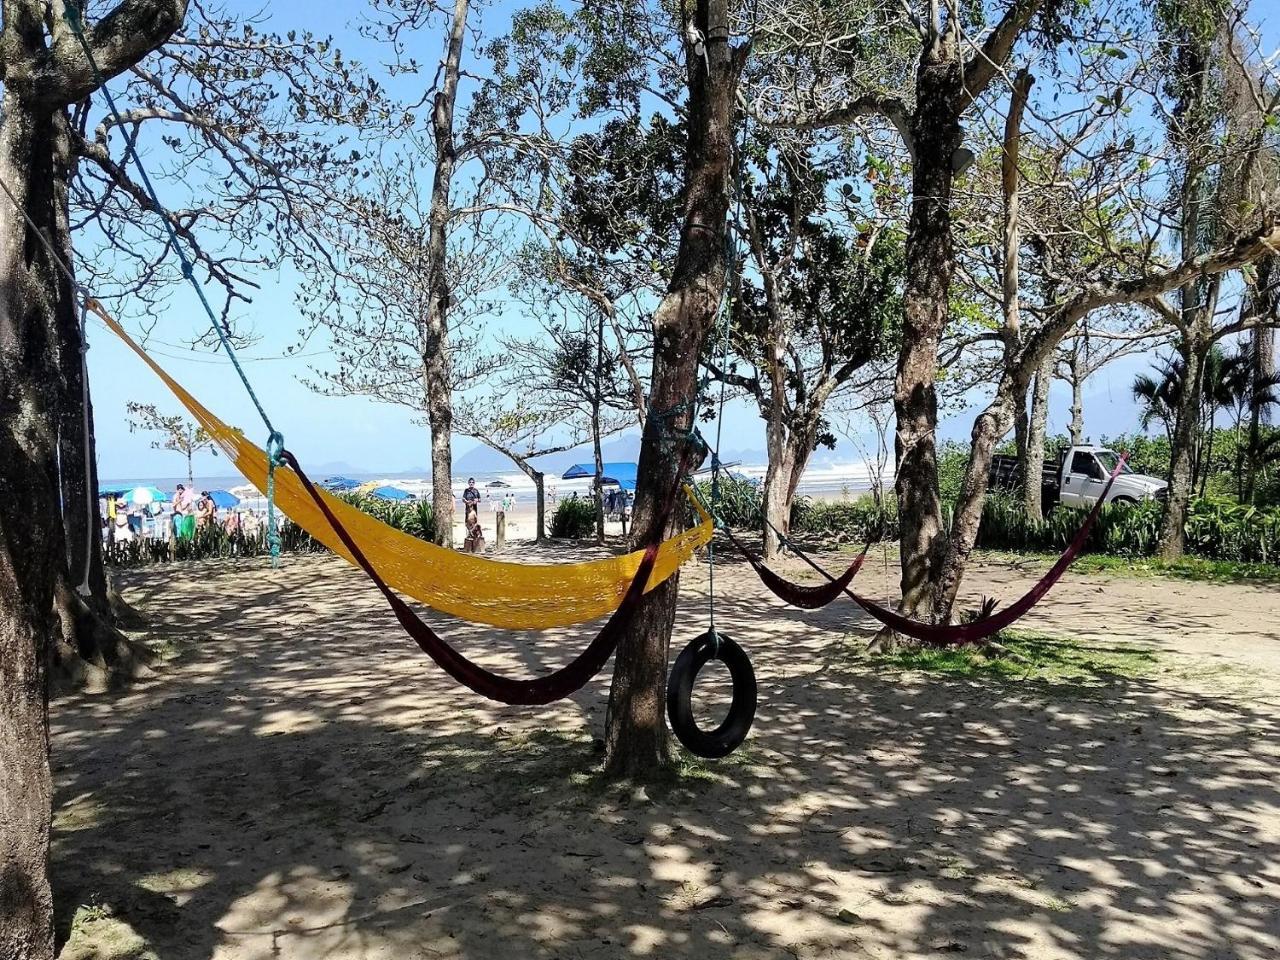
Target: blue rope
{"points": [[726, 306], [275, 440]]}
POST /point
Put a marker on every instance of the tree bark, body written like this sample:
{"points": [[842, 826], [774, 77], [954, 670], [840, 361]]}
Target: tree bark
{"points": [[777, 504], [776, 477], [636, 733], [1182, 453], [988, 429], [437, 374], [31, 542], [1266, 300], [1009, 406], [935, 129], [539, 492], [39, 81], [1033, 469], [596, 400], [1077, 401]]}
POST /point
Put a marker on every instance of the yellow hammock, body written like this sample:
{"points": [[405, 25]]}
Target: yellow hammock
{"points": [[513, 595]]}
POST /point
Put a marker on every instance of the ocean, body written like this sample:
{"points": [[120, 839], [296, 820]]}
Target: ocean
{"points": [[826, 480]]}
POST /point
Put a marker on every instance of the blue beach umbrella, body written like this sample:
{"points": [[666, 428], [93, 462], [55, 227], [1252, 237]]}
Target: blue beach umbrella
{"points": [[338, 484], [390, 493], [621, 473], [222, 499]]}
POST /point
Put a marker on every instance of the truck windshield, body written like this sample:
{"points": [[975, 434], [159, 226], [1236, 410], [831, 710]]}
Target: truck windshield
{"points": [[1109, 459]]}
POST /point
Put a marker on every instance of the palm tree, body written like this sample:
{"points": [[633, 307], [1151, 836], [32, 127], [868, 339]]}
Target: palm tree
{"points": [[1255, 390], [1158, 396], [1226, 378]]}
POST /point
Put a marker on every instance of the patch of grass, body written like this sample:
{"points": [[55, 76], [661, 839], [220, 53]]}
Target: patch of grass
{"points": [[1185, 568], [1025, 656], [97, 934]]}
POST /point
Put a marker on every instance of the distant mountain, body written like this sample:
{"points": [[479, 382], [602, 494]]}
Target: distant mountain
{"points": [[332, 469], [624, 448], [484, 459]]}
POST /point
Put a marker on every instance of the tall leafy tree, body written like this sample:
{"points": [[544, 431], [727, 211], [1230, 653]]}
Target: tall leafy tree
{"points": [[818, 302], [45, 70]]}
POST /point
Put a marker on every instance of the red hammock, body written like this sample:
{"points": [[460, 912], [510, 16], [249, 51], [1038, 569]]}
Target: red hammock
{"points": [[947, 634], [538, 690], [805, 596]]}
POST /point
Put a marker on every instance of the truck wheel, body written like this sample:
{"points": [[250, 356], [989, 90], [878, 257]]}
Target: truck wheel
{"points": [[1125, 501]]}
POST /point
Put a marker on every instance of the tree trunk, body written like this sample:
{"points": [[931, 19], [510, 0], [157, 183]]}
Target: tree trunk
{"points": [[437, 375], [31, 541], [988, 429], [1021, 440], [1077, 402], [636, 733], [599, 475], [776, 478], [1207, 465], [1033, 469], [777, 503], [596, 399], [1186, 423], [1262, 355], [539, 491], [935, 127]]}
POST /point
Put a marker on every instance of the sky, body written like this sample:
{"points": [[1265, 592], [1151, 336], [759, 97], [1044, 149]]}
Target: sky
{"points": [[372, 436]]}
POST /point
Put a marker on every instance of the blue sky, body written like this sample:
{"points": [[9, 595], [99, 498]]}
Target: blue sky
{"points": [[374, 436]]}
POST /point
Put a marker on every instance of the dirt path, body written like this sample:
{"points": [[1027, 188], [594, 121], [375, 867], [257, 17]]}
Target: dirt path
{"points": [[302, 784]]}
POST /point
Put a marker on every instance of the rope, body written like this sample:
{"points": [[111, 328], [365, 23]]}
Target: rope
{"points": [[726, 308], [275, 440]]}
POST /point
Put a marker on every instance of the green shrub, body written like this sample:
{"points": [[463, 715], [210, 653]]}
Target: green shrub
{"points": [[853, 520], [574, 518], [1217, 529], [740, 503], [953, 460]]}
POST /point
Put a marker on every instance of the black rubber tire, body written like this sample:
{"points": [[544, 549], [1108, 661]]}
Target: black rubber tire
{"points": [[1125, 501], [727, 737]]}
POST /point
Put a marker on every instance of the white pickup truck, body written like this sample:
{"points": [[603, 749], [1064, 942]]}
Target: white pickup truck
{"points": [[1077, 476]]}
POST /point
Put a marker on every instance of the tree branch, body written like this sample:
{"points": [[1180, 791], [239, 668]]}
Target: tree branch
{"points": [[124, 36], [991, 57]]}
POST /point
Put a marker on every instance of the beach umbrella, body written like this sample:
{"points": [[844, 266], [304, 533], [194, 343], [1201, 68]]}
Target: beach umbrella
{"points": [[339, 483], [222, 499], [144, 495], [497, 483], [390, 493], [621, 473]]}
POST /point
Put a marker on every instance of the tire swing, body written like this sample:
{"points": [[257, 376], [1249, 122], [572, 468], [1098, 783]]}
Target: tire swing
{"points": [[728, 736]]}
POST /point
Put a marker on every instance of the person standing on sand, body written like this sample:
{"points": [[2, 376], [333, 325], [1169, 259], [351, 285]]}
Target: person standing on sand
{"points": [[474, 542], [184, 519], [471, 496], [205, 510]]}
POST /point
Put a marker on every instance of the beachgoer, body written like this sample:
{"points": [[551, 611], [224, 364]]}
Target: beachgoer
{"points": [[474, 542], [184, 510], [111, 517], [250, 525], [134, 513], [122, 532], [205, 510], [471, 496]]}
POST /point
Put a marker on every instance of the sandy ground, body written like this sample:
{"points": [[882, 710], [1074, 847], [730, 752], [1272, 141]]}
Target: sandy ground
{"points": [[301, 783]]}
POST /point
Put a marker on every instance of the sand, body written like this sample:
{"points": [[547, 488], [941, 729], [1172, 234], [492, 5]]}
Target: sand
{"points": [[301, 783]]}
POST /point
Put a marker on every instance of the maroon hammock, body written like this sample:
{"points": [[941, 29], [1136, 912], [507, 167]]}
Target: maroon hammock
{"points": [[948, 634], [538, 690], [805, 596]]}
